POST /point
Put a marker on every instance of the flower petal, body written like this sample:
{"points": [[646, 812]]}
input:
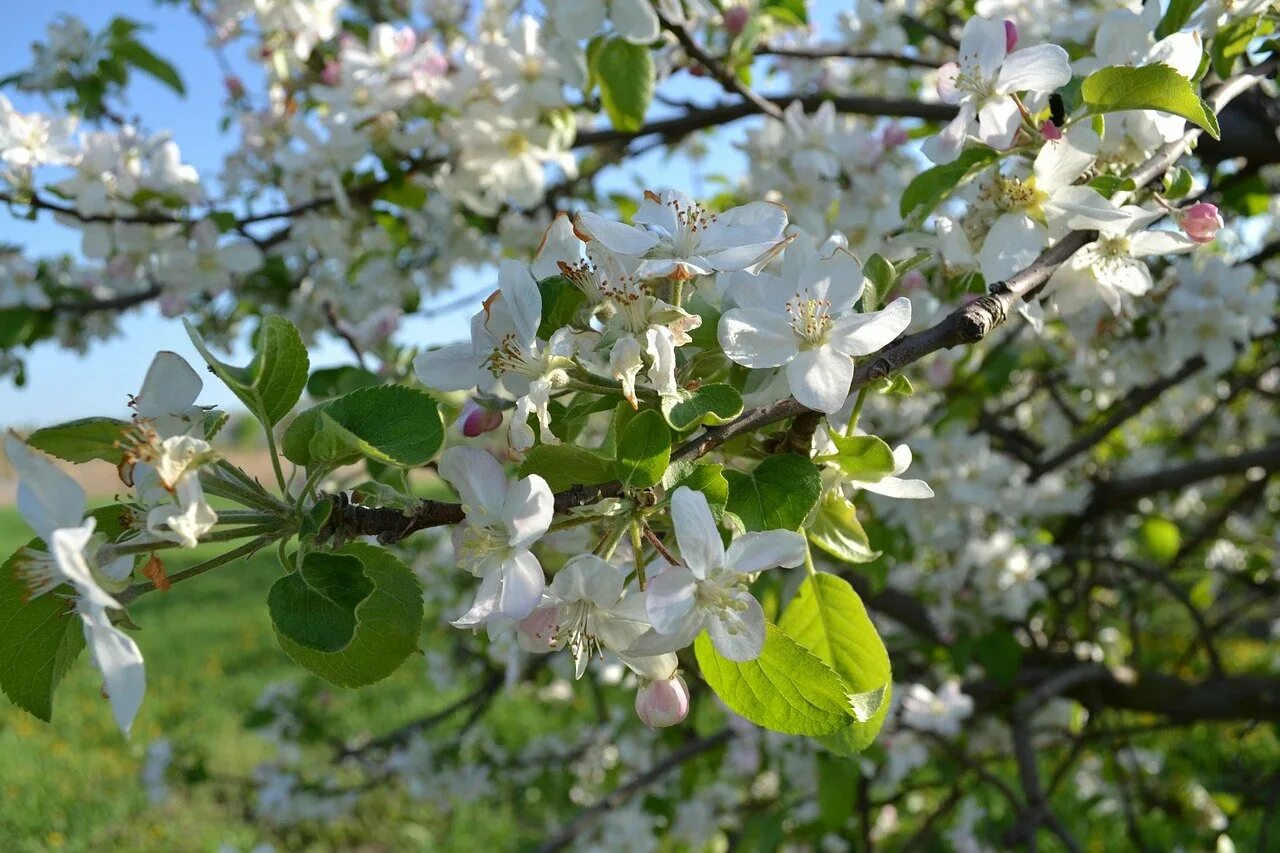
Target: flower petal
{"points": [[479, 481], [755, 552], [670, 598], [450, 368], [1039, 68], [615, 236], [862, 334], [756, 339], [586, 577], [522, 585], [696, 532], [48, 499], [739, 634], [820, 377], [528, 510], [117, 657], [521, 295]]}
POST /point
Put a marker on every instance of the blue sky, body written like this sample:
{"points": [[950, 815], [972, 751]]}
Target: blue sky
{"points": [[62, 384]]}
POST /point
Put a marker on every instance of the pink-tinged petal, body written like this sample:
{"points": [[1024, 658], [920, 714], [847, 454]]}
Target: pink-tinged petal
{"points": [[738, 635], [756, 339], [522, 585], [528, 510], [614, 236], [479, 481], [669, 601], [1041, 68], [862, 334], [820, 378], [696, 532], [755, 552]]}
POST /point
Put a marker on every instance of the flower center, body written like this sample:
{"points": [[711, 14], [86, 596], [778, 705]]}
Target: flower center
{"points": [[724, 596], [1016, 194], [810, 318], [481, 540], [690, 220], [970, 80]]}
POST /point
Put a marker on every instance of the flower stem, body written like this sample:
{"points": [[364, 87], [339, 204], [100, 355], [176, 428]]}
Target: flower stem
{"points": [[857, 410], [809, 568], [637, 549], [200, 568], [275, 462]]}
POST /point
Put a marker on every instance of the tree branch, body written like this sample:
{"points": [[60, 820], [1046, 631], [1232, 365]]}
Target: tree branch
{"points": [[724, 76]]}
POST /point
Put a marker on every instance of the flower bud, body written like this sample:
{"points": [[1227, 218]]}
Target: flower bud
{"points": [[235, 87], [735, 19], [663, 703], [331, 73], [477, 420], [1050, 131], [1010, 36], [1201, 222], [893, 136]]}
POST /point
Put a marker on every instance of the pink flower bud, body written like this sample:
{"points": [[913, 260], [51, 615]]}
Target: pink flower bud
{"points": [[1050, 131], [663, 703], [1201, 222], [893, 136], [913, 280], [235, 87], [735, 19], [1010, 36], [331, 73], [476, 420]]}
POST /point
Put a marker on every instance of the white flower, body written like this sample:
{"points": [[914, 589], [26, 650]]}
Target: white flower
{"points": [[710, 590], [811, 325], [176, 511], [503, 521], [168, 396], [680, 239], [54, 505], [891, 485], [940, 713], [633, 20], [200, 264], [585, 610], [1043, 206], [1110, 266], [505, 346], [983, 82]]}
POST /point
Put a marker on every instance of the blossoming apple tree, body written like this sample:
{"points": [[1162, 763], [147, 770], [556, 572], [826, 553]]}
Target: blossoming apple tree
{"points": [[909, 485]]}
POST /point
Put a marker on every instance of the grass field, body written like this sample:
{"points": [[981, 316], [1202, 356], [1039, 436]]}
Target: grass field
{"points": [[209, 649]]}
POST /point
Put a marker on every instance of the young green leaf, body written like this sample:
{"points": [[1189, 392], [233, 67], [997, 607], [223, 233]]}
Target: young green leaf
{"points": [[140, 56], [711, 404], [836, 530], [644, 450], [861, 457], [388, 624], [787, 689], [272, 382], [778, 494], [565, 465], [828, 618], [82, 440], [880, 276], [390, 424], [336, 381], [560, 304], [39, 640], [316, 606], [625, 73], [701, 477], [1150, 87], [931, 187]]}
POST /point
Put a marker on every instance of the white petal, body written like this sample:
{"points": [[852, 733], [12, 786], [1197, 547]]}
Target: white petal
{"points": [[756, 339], [862, 334], [998, 122], [450, 368], [586, 577], [945, 146], [895, 487], [170, 387], [117, 657], [1082, 207], [520, 293], [479, 481], [653, 667], [757, 223], [837, 279], [634, 20], [1013, 242], [241, 257], [901, 459], [820, 378], [1063, 160], [558, 244], [1039, 68], [528, 511], [616, 236], [522, 584], [1160, 243], [1182, 51], [48, 499], [67, 545], [741, 637], [670, 598], [982, 45], [652, 643], [755, 552], [485, 605], [696, 532]]}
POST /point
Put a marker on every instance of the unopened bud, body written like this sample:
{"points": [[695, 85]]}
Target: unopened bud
{"points": [[1050, 131], [1201, 222], [477, 420], [893, 136], [235, 87], [735, 19], [331, 73], [663, 703], [1010, 36]]}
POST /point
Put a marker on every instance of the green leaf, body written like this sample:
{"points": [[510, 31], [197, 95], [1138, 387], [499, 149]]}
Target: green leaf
{"points": [[836, 530], [140, 57], [701, 477], [336, 381], [644, 450], [777, 495], [82, 440], [560, 304], [711, 404], [39, 640], [787, 689], [1176, 16], [272, 382], [1150, 87], [1108, 184], [625, 72], [828, 618], [316, 606], [391, 424], [880, 276], [931, 187], [1231, 42], [1178, 183], [897, 385], [565, 465], [789, 13], [388, 624], [861, 457], [18, 326]]}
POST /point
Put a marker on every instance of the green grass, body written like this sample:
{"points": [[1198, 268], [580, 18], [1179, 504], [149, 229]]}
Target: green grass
{"points": [[209, 648]]}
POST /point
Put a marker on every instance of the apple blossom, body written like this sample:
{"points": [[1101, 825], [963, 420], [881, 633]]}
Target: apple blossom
{"points": [[662, 703], [1201, 222]]}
